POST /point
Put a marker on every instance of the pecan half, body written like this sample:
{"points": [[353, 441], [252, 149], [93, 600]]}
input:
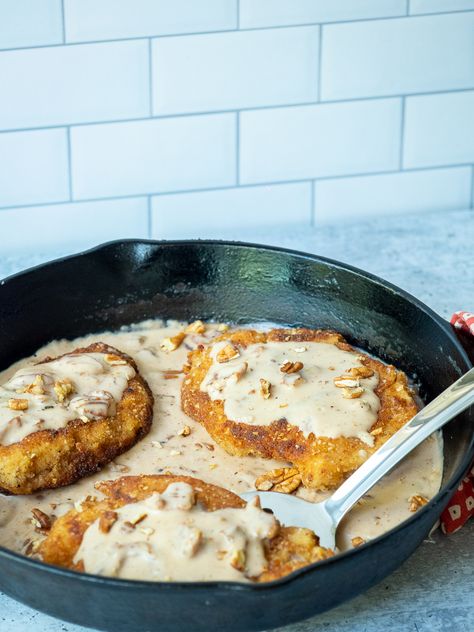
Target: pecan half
{"points": [[41, 520], [291, 367], [284, 480], [18, 404]]}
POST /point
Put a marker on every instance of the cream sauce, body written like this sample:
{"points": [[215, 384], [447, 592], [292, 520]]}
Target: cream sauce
{"points": [[168, 537], [165, 449], [321, 397], [49, 395]]}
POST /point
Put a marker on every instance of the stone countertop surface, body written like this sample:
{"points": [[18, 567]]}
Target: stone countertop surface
{"points": [[430, 256]]}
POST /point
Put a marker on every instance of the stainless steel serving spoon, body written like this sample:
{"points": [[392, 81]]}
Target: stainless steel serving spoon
{"points": [[324, 517]]}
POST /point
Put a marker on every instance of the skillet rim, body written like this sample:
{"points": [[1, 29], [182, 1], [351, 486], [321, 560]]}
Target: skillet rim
{"points": [[442, 495]]}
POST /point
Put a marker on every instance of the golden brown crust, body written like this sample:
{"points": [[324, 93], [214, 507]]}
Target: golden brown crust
{"points": [[290, 549], [53, 458], [323, 462]]}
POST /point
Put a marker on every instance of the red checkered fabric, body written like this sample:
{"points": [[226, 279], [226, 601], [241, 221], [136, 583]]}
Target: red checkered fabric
{"points": [[461, 505]]}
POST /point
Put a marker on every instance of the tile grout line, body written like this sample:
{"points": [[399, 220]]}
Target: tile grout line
{"points": [[320, 61], [251, 185], [408, 7], [243, 30], [402, 134], [237, 21], [150, 76], [237, 148], [69, 161], [313, 203], [472, 188], [149, 217], [256, 108], [63, 19]]}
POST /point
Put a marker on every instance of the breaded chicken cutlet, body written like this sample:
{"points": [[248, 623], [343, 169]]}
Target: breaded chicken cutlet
{"points": [[322, 407], [66, 417], [177, 528]]}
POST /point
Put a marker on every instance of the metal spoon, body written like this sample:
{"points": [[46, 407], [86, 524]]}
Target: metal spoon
{"points": [[324, 517]]}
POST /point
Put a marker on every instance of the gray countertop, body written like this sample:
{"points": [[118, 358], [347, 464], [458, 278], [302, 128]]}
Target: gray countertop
{"points": [[430, 256]]}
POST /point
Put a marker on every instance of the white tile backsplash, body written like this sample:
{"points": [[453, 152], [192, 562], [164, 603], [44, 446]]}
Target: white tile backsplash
{"points": [[258, 13], [193, 117], [30, 23], [319, 141], [109, 19], [439, 6], [419, 191], [235, 70], [74, 84], [399, 56], [33, 167], [79, 225], [439, 129], [175, 216], [152, 156]]}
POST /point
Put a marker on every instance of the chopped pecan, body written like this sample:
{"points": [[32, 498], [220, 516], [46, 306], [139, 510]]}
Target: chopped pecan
{"points": [[41, 520], [107, 520], [173, 342], [345, 381], [36, 387], [352, 393], [265, 388], [237, 559], [416, 502], [185, 431], [63, 388], [229, 352], [197, 327], [357, 541], [284, 480], [112, 358], [376, 431], [18, 404], [361, 371], [291, 367]]}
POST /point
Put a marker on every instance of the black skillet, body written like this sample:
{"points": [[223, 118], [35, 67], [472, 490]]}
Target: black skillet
{"points": [[124, 282]]}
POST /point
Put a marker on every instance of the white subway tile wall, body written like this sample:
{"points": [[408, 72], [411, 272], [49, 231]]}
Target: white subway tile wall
{"points": [[439, 129], [244, 69], [175, 217], [195, 117]]}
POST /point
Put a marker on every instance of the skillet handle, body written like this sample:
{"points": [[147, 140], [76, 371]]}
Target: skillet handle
{"points": [[432, 417], [467, 341]]}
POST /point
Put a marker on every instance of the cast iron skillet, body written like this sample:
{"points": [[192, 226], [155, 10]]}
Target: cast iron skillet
{"points": [[124, 282]]}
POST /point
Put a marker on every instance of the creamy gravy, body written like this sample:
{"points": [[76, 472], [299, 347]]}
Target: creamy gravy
{"points": [[317, 393], [164, 449], [47, 396], [169, 537]]}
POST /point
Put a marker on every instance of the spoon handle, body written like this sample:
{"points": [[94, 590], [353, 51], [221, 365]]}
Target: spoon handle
{"points": [[450, 403]]}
